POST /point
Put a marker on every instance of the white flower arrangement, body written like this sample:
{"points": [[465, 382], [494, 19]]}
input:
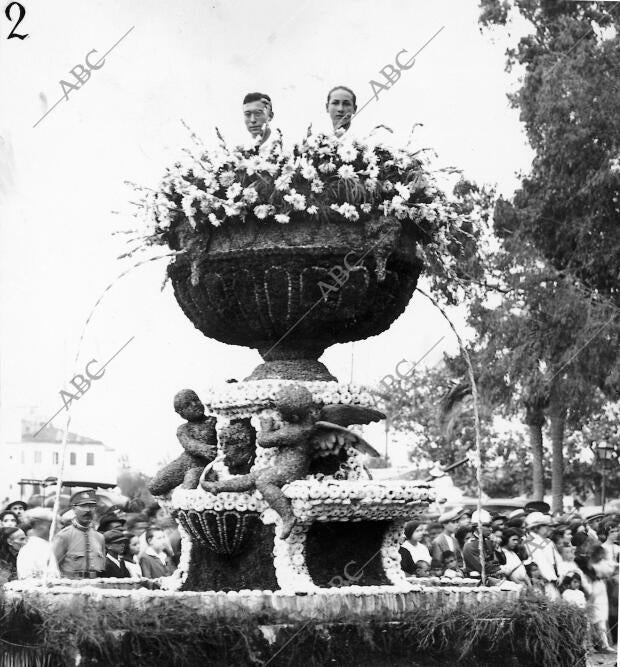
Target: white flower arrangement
{"points": [[249, 397], [322, 173], [311, 499]]}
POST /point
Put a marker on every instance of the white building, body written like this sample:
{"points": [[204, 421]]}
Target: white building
{"points": [[30, 453]]}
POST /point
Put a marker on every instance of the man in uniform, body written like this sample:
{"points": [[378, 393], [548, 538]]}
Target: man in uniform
{"points": [[79, 549]]}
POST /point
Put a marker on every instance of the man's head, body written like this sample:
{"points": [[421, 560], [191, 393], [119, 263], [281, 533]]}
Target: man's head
{"points": [[18, 507], [83, 504], [341, 106], [115, 541], [188, 405], [538, 523], [483, 518], [37, 522], [156, 539], [433, 530], [257, 113], [449, 520]]}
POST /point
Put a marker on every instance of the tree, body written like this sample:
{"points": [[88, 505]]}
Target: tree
{"points": [[566, 211]]}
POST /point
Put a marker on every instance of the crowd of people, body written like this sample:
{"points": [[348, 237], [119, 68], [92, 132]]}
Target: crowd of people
{"points": [[563, 557], [92, 541]]}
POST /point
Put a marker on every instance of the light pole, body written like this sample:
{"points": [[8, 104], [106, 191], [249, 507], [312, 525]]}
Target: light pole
{"points": [[604, 452]]}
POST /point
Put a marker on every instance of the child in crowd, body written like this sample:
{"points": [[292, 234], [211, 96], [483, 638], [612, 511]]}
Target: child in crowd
{"points": [[450, 566], [154, 562], [422, 569], [572, 591], [538, 583]]}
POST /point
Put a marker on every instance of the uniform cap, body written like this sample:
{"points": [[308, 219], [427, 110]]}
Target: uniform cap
{"points": [[87, 497]]}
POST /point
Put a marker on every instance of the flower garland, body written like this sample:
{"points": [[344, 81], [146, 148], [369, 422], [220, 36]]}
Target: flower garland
{"points": [[324, 176], [246, 398]]}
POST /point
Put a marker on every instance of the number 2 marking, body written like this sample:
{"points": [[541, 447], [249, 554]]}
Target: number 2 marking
{"points": [[22, 13]]}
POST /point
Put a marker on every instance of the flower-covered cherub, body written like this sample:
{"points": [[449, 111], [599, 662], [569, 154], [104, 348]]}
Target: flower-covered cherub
{"points": [[294, 441], [199, 440]]}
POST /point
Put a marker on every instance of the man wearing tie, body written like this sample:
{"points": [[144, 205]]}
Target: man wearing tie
{"points": [[79, 549]]}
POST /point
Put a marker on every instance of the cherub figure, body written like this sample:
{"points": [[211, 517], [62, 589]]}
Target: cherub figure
{"points": [[199, 440], [294, 443]]}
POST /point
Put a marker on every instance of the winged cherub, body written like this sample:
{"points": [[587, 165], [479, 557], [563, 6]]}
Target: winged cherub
{"points": [[294, 441]]}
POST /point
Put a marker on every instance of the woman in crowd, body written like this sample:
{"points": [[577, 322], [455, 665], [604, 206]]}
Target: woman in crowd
{"points": [[513, 568], [412, 550], [461, 535], [8, 519], [154, 562], [12, 539]]}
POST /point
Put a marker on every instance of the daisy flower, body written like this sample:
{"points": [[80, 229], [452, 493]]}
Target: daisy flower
{"points": [[282, 218], [347, 152], [296, 200], [317, 186], [227, 178], [346, 171], [313, 210], [233, 191], [250, 195], [262, 211]]}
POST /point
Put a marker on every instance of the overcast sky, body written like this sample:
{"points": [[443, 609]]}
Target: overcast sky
{"points": [[194, 60]]}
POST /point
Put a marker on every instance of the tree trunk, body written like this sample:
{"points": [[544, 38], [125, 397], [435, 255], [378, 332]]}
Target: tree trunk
{"points": [[535, 418], [557, 418]]}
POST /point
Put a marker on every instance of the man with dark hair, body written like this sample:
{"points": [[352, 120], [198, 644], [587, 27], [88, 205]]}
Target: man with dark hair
{"points": [[341, 106], [257, 114]]}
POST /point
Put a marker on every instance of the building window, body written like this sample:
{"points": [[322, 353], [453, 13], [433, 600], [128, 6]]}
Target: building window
{"points": [[90, 459], [37, 457], [55, 458], [72, 459]]}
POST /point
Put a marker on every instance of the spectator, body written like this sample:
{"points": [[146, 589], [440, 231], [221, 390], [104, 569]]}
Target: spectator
{"points": [[79, 549], [432, 531], [471, 550], [465, 518], [541, 550], [450, 565], [572, 591], [112, 519], [513, 568], [498, 522], [536, 579], [597, 569], [412, 550], [422, 569], [115, 545], [609, 534], [131, 555], [11, 541], [36, 558], [8, 519], [154, 562], [18, 507], [446, 541], [461, 534]]}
